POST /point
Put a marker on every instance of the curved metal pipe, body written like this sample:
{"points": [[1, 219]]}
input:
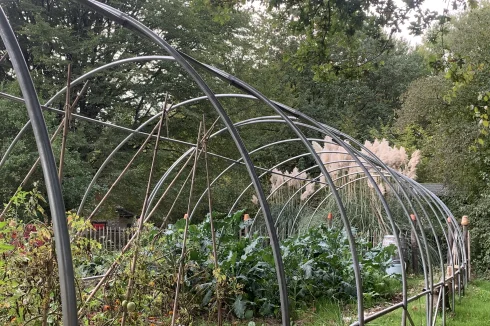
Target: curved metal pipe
{"points": [[429, 201], [53, 187], [109, 65], [75, 83], [407, 192], [131, 23], [14, 141]]}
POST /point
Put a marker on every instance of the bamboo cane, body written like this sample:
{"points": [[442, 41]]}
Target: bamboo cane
{"points": [[211, 222], [66, 123], [181, 263], [142, 216]]}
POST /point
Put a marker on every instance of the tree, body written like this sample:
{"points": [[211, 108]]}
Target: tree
{"points": [[53, 34], [342, 37], [446, 115], [444, 131]]}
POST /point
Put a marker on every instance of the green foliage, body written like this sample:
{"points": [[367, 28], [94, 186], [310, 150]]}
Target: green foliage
{"points": [[444, 131], [346, 37], [446, 115], [27, 205], [455, 57], [29, 286], [317, 265], [480, 237]]}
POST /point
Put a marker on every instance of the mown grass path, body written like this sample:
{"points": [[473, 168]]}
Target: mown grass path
{"points": [[473, 309]]}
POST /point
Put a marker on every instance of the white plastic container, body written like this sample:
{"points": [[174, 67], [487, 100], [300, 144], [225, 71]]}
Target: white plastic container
{"points": [[396, 266]]}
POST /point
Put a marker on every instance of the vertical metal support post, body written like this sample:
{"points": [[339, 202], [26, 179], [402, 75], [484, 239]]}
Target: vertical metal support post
{"points": [[450, 259], [465, 222], [469, 255], [53, 188], [450, 243], [415, 265]]}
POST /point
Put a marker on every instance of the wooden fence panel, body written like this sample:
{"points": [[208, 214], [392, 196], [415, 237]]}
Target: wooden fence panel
{"points": [[111, 238]]}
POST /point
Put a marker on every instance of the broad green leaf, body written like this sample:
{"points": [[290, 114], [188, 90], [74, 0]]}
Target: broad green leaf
{"points": [[239, 307]]}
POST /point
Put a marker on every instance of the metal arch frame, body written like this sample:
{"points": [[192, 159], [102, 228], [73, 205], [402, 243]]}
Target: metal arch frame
{"points": [[129, 22], [441, 256], [431, 199], [425, 214], [335, 136], [420, 247], [281, 121], [444, 211], [406, 188], [433, 231], [368, 175], [75, 83], [432, 228], [258, 120]]}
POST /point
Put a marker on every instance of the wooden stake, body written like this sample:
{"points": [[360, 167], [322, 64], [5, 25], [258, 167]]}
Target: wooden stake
{"points": [[66, 124], [184, 241], [4, 57], [211, 222], [143, 214], [414, 245]]}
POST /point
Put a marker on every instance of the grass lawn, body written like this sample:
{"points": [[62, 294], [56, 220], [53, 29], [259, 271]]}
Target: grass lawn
{"points": [[475, 306], [473, 309]]}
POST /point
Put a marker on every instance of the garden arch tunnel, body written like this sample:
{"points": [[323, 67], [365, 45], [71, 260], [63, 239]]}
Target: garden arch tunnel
{"points": [[339, 175]]}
